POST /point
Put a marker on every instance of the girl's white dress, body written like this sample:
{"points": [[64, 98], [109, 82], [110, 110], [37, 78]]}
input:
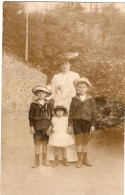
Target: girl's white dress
{"points": [[60, 137]]}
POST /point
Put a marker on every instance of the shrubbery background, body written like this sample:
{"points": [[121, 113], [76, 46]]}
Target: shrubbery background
{"points": [[97, 36]]}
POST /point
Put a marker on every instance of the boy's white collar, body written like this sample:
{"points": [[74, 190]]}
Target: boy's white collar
{"points": [[82, 97], [42, 102]]}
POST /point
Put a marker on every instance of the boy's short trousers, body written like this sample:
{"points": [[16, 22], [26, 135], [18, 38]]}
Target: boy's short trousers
{"points": [[82, 138], [81, 130], [40, 137], [81, 126]]}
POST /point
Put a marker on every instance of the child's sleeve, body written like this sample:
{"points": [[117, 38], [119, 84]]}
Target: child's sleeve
{"points": [[94, 113], [70, 114], [31, 115]]}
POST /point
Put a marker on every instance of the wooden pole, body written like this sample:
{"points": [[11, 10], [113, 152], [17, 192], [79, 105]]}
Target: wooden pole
{"points": [[26, 44], [91, 6]]}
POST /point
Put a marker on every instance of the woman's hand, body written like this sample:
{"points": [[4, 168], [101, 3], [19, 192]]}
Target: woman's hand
{"points": [[32, 130], [69, 130]]}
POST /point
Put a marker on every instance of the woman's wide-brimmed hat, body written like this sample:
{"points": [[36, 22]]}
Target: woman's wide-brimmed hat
{"points": [[60, 108], [66, 57], [41, 88], [81, 80]]}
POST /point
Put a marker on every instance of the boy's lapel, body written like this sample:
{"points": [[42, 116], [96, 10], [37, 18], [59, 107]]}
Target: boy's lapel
{"points": [[77, 97], [43, 107], [36, 102]]}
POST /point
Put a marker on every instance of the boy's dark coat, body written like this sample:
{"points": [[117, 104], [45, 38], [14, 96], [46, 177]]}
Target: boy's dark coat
{"points": [[40, 116], [85, 110]]}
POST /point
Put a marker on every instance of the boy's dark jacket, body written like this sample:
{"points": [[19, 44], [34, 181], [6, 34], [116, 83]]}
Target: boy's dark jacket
{"points": [[40, 116], [85, 110]]}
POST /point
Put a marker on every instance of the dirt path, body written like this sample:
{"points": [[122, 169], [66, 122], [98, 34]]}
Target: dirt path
{"points": [[18, 178]]}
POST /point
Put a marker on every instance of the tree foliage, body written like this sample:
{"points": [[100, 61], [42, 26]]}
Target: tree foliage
{"points": [[14, 28], [97, 36]]}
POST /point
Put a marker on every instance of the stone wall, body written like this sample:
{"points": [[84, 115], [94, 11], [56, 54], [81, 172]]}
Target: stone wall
{"points": [[17, 83]]}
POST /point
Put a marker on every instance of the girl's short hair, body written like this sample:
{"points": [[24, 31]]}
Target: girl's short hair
{"points": [[57, 108]]}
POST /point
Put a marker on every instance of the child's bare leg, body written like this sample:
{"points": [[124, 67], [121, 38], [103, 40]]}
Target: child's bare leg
{"points": [[37, 149], [44, 147], [86, 137], [79, 153], [56, 154], [57, 151], [44, 152], [65, 163], [64, 152], [79, 148], [79, 142], [37, 153]]}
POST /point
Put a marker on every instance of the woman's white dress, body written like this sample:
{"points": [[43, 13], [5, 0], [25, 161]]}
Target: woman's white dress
{"points": [[60, 137], [63, 91]]}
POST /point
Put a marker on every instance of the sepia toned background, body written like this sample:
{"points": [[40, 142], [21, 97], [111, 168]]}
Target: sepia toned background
{"points": [[34, 33]]}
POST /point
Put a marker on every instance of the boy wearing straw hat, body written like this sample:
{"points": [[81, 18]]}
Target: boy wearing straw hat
{"points": [[82, 116], [40, 115]]}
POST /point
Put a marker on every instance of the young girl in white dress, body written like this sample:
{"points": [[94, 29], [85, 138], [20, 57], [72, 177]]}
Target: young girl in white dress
{"points": [[59, 138]]}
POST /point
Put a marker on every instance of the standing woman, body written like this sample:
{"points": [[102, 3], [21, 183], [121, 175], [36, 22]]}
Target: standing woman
{"points": [[63, 91]]}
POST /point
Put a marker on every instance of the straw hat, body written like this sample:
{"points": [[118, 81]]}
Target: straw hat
{"points": [[80, 80], [41, 88], [66, 57]]}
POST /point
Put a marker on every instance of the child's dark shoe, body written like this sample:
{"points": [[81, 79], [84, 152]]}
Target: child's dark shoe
{"points": [[56, 162], [44, 160], [85, 160], [36, 164], [65, 163], [79, 162]]}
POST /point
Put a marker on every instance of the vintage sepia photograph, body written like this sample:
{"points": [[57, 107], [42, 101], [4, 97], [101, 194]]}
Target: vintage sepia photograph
{"points": [[62, 98]]}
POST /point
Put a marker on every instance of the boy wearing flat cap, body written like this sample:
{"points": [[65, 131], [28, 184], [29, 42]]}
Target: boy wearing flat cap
{"points": [[82, 116], [40, 115]]}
